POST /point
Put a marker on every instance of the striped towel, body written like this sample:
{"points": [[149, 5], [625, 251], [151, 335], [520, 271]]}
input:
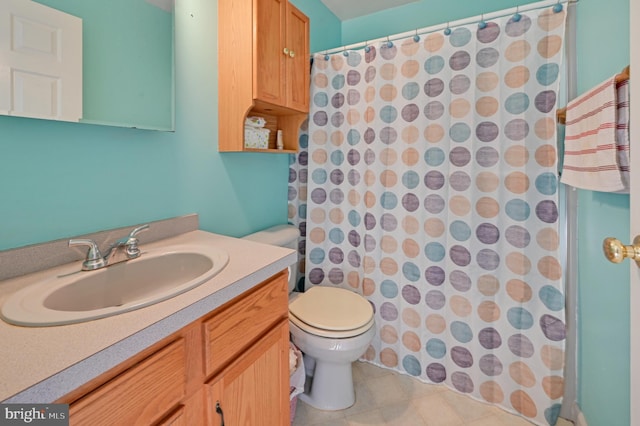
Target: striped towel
{"points": [[596, 146]]}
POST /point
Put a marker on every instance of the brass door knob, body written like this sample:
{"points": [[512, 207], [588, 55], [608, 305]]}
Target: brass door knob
{"points": [[616, 252]]}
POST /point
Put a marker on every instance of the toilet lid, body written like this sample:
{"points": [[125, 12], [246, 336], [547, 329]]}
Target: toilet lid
{"points": [[332, 308]]}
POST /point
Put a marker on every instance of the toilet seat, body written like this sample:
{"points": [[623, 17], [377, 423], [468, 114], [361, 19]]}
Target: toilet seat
{"points": [[331, 312]]}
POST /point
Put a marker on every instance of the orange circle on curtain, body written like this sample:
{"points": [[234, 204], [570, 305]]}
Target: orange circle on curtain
{"points": [[409, 47], [517, 76], [388, 335], [552, 357], [545, 128], [388, 178], [389, 244], [410, 248], [388, 357], [410, 68], [516, 156], [434, 133], [489, 311], [492, 392], [523, 404], [388, 92], [435, 323], [321, 81], [519, 290], [522, 374], [410, 134], [487, 106], [410, 157], [487, 81], [317, 235], [434, 42], [548, 239], [487, 207], [410, 225], [487, 181], [434, 227], [411, 317], [546, 155], [488, 285], [517, 51], [549, 20], [549, 46], [518, 263]]}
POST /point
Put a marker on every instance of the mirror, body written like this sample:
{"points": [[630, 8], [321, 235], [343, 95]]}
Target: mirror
{"points": [[127, 61]]}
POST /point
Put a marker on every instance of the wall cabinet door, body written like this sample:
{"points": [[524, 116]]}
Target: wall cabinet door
{"points": [[254, 389], [298, 63]]}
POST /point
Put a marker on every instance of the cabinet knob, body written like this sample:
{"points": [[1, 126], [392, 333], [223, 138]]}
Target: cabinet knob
{"points": [[286, 51], [292, 53], [219, 411], [616, 252]]}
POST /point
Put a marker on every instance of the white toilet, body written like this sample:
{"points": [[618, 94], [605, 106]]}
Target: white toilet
{"points": [[332, 326]]}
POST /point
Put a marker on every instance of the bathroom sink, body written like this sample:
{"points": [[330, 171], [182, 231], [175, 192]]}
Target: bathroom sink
{"points": [[78, 296]]}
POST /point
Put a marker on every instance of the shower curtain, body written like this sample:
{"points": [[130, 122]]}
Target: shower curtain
{"points": [[429, 173]]}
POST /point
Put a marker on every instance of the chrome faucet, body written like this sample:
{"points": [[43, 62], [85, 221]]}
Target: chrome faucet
{"points": [[123, 249]]}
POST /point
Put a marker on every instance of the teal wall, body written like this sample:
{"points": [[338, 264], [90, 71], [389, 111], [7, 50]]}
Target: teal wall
{"points": [[603, 50], [63, 179]]}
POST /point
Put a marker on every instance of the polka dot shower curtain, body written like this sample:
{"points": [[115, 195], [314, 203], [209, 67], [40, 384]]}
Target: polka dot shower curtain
{"points": [[432, 191]]}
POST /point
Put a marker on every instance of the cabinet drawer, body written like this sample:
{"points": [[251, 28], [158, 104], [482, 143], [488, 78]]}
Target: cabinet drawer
{"points": [[139, 396], [242, 321]]}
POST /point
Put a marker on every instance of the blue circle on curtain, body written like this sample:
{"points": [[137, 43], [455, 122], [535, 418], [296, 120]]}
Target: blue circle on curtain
{"points": [[337, 158], [319, 176], [460, 132], [410, 90], [338, 81], [548, 74], [292, 193], [436, 348], [336, 235], [321, 99], [460, 230], [302, 210], [316, 256], [354, 58], [388, 114], [434, 64], [410, 179], [435, 252], [353, 137], [552, 298], [434, 157], [460, 36], [461, 331], [303, 140], [552, 413], [354, 218], [389, 289], [411, 271], [388, 200], [411, 365], [517, 103], [518, 210], [547, 183], [520, 318]]}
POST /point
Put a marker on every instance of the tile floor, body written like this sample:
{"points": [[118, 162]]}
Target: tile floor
{"points": [[384, 397]]}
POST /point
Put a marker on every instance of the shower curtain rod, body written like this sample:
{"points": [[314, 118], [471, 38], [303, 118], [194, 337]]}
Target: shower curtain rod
{"points": [[460, 22]]}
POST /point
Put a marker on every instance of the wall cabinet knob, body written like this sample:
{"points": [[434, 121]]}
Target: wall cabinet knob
{"points": [[292, 53], [616, 252], [286, 51]]}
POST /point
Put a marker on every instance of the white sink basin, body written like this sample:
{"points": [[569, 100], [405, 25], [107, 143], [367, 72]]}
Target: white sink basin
{"points": [[79, 296]]}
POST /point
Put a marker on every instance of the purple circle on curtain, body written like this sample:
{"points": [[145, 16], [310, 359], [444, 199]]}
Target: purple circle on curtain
{"points": [[489, 338], [460, 280], [336, 256], [369, 243], [354, 238], [460, 181], [521, 346], [461, 356], [488, 233], [319, 196], [369, 135], [490, 365], [459, 60], [516, 29], [353, 157], [292, 175], [337, 100], [315, 276], [354, 177], [370, 55], [292, 194], [388, 135], [434, 203], [320, 118], [434, 110], [459, 84], [354, 259], [353, 77], [487, 57], [460, 255], [434, 180], [410, 202], [388, 222], [303, 158], [547, 211], [489, 33], [411, 294], [410, 112], [336, 196], [488, 259], [437, 373], [435, 299], [487, 131], [434, 275], [459, 156], [487, 156], [434, 87], [387, 52], [337, 119], [336, 276], [518, 236], [553, 328], [336, 176], [388, 311], [369, 157], [369, 221], [517, 129], [353, 97], [545, 101], [303, 175], [462, 382]]}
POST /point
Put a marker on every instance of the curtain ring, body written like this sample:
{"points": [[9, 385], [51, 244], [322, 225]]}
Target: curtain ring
{"points": [[344, 51], [367, 48], [516, 16], [482, 24], [416, 37], [557, 8], [326, 56], [447, 31], [389, 43]]}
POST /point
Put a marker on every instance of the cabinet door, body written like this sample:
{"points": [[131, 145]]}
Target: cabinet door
{"points": [[254, 390], [269, 57], [298, 65]]}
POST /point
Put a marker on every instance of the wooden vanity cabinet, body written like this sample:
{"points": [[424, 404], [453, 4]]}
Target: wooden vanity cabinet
{"points": [[235, 358], [263, 70]]}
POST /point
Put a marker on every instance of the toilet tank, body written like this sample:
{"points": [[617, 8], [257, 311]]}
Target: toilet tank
{"points": [[281, 236]]}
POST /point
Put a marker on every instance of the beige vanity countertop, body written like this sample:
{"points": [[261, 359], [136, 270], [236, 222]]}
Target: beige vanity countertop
{"points": [[42, 364]]}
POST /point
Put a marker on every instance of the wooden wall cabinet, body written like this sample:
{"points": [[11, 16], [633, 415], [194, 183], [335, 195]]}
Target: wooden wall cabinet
{"points": [[263, 70], [232, 362]]}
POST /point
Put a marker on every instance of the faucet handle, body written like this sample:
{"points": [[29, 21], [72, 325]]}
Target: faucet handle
{"points": [[132, 248], [94, 259], [138, 230]]}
